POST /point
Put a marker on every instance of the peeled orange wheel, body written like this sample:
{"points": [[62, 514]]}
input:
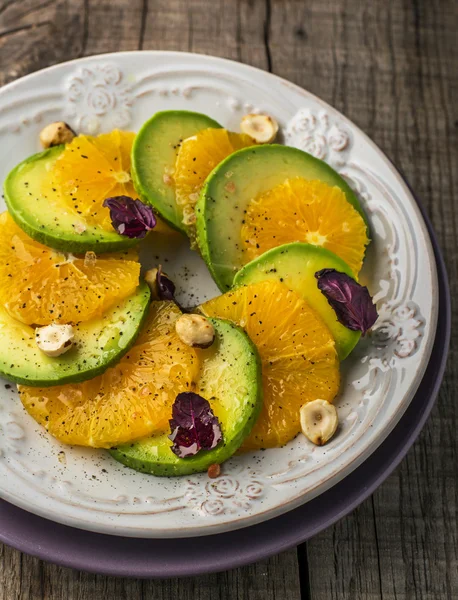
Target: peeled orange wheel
{"points": [[305, 211], [91, 169], [299, 359], [130, 401], [197, 157], [42, 286]]}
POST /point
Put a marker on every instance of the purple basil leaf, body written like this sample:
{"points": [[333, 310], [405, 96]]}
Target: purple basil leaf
{"points": [[351, 301], [165, 286], [194, 426], [130, 217]]}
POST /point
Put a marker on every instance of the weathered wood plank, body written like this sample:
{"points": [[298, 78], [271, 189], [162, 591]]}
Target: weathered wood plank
{"points": [[276, 579], [113, 25], [90, 26], [20, 575], [391, 67], [416, 509], [343, 561], [312, 45], [36, 34], [60, 583], [232, 29], [26, 578]]}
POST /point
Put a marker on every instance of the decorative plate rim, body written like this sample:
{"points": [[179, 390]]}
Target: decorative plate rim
{"points": [[51, 548], [370, 446]]}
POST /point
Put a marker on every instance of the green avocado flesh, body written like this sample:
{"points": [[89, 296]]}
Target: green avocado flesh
{"points": [[46, 218], [295, 265], [154, 155], [98, 344], [250, 172], [230, 379]]}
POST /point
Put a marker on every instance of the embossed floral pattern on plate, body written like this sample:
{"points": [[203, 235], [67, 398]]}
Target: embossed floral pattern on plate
{"points": [[97, 99], [89, 489]]}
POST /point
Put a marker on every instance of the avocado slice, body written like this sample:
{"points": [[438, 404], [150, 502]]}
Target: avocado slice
{"points": [[154, 154], [295, 265], [45, 218], [98, 344], [249, 172], [230, 380]]}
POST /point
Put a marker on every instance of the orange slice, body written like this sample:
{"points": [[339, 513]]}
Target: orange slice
{"points": [[305, 211], [130, 401], [42, 286], [196, 158], [91, 169], [299, 359]]}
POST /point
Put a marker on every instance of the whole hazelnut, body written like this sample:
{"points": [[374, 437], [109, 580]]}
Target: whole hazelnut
{"points": [[56, 134], [195, 331]]}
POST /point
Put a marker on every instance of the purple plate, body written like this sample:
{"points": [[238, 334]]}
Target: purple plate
{"points": [[129, 557]]}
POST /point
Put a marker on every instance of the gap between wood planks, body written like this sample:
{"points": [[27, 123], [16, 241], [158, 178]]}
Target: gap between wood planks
{"points": [[388, 66]]}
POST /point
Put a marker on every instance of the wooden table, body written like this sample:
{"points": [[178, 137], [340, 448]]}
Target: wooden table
{"points": [[391, 67]]}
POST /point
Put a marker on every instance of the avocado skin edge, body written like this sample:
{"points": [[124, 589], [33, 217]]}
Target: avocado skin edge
{"points": [[139, 187], [95, 371], [344, 345], [203, 459], [205, 198], [74, 243]]}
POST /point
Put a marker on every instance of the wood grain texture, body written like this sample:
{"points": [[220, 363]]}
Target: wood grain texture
{"points": [[36, 34], [391, 67], [25, 578]]}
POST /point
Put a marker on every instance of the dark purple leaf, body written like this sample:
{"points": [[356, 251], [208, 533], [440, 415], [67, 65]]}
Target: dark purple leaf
{"points": [[165, 286], [351, 301], [130, 217], [194, 426]]}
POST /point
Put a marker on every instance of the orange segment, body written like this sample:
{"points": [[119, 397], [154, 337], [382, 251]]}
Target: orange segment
{"points": [[41, 286], [130, 401], [299, 360], [196, 158], [91, 169], [305, 211]]}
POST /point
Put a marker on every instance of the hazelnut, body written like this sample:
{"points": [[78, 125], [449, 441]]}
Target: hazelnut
{"points": [[90, 259], [55, 134], [261, 128], [318, 421], [54, 340], [151, 280], [189, 215], [195, 331], [80, 228], [214, 471]]}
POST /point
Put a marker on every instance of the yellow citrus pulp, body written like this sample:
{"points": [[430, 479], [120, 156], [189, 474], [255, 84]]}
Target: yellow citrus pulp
{"points": [[196, 158], [42, 286], [305, 211], [91, 169], [132, 400], [299, 359]]}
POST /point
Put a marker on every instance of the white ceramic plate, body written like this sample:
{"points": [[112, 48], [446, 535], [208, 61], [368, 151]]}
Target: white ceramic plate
{"points": [[87, 488]]}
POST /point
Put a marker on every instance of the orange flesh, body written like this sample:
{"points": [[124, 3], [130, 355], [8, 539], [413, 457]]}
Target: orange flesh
{"points": [[299, 360], [132, 400], [196, 158], [91, 169], [42, 286], [305, 211]]}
